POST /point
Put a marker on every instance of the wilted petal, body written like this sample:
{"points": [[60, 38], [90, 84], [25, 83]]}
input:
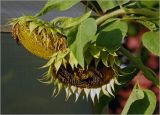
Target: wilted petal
{"points": [[104, 90], [112, 84], [92, 94], [86, 91], [109, 89]]}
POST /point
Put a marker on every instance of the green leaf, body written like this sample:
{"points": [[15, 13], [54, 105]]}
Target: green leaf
{"points": [[111, 40], [86, 31], [67, 22], [152, 100], [88, 57], [106, 4], [95, 51], [72, 60], [109, 4], [122, 26], [151, 41], [149, 3], [104, 57], [148, 102], [136, 94], [57, 4], [140, 102]]}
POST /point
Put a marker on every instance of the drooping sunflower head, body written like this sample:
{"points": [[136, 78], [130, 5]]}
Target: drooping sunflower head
{"points": [[44, 40], [38, 36], [64, 72]]}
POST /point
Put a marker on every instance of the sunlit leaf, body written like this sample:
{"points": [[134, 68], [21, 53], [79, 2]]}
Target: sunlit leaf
{"points": [[151, 41], [136, 94], [57, 4], [67, 22], [144, 106], [86, 31]]}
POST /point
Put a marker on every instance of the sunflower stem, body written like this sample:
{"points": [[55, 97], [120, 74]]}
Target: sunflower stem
{"points": [[124, 11], [137, 61]]}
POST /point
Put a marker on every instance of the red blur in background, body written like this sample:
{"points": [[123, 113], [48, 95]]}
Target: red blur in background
{"points": [[134, 44]]}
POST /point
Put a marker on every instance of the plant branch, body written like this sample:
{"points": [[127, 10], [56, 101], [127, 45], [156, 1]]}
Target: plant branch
{"points": [[123, 11], [137, 61]]}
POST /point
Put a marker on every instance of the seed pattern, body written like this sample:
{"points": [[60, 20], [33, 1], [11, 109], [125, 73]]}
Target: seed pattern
{"points": [[90, 78]]}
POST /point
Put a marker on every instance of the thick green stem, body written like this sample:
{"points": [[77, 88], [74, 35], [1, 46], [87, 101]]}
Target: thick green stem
{"points": [[135, 60], [124, 11], [146, 71]]}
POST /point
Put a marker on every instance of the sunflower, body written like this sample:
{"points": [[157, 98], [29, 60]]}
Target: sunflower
{"points": [[44, 40], [38, 36]]}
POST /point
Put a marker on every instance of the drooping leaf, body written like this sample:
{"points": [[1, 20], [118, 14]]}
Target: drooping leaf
{"points": [[95, 51], [72, 60], [151, 41], [136, 94], [67, 22], [57, 4], [104, 57], [86, 31], [111, 40], [148, 102]]}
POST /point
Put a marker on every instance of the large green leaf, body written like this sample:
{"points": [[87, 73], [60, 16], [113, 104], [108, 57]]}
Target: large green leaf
{"points": [[151, 41], [86, 31], [111, 35], [136, 94], [140, 102], [121, 25], [111, 40], [109, 4], [57, 4], [152, 101], [67, 22], [148, 102]]}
